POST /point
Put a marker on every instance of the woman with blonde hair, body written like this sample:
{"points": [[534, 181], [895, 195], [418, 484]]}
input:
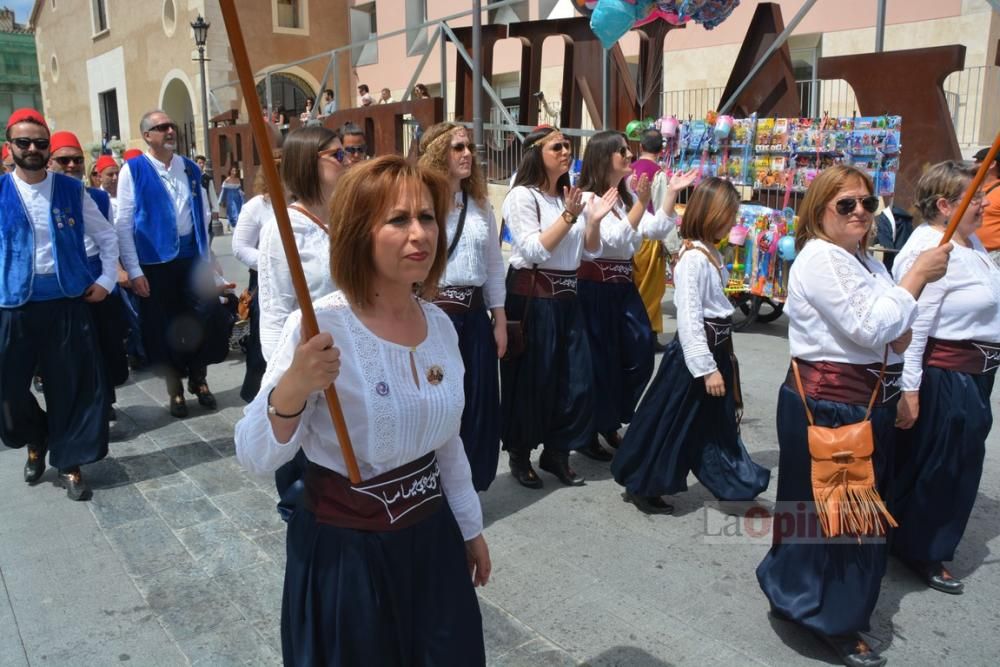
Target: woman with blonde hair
{"points": [[687, 420], [471, 290], [848, 324], [381, 572], [948, 372]]}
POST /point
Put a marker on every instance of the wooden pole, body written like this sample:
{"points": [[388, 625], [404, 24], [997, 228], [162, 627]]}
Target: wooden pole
{"points": [[973, 189], [262, 135]]}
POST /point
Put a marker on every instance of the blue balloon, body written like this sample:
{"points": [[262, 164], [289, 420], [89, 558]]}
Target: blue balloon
{"points": [[611, 19], [786, 248]]}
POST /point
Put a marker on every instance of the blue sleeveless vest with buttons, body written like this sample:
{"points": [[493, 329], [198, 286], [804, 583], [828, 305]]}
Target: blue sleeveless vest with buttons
{"points": [[155, 222]]}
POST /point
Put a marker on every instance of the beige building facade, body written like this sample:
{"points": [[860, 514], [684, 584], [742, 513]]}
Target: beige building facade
{"points": [[103, 63]]}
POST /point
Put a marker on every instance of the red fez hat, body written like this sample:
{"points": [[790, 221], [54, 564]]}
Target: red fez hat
{"points": [[104, 162], [22, 115], [131, 153], [64, 139]]}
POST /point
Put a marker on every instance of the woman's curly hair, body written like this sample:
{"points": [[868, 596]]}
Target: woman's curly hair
{"points": [[435, 146]]}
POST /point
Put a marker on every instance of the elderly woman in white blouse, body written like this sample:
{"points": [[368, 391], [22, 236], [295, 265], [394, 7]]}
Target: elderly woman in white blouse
{"points": [[471, 290], [381, 572], [848, 324], [547, 392], [948, 373]]}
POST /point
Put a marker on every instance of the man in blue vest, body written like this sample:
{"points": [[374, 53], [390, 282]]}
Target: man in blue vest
{"points": [[45, 322], [66, 157], [162, 226]]}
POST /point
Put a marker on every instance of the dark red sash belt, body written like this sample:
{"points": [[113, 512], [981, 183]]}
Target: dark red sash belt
{"points": [[847, 383], [393, 500], [965, 356], [718, 330], [549, 284], [606, 270], [459, 300]]}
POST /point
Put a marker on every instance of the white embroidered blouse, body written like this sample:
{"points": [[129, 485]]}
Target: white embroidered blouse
{"points": [[392, 420], [527, 212], [274, 279], [963, 305], [699, 294], [477, 261], [246, 237], [843, 307], [618, 239]]}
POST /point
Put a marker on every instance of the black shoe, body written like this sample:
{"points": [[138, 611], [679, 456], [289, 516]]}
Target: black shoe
{"points": [[853, 650], [35, 466], [557, 463], [593, 450], [648, 504], [112, 414], [76, 488], [205, 397], [613, 439], [178, 407], [520, 468], [38, 384], [940, 579], [137, 363]]}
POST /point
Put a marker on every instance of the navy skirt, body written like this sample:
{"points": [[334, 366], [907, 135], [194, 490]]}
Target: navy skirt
{"points": [[939, 463], [830, 587], [621, 346], [547, 393], [481, 418], [402, 597], [678, 429]]}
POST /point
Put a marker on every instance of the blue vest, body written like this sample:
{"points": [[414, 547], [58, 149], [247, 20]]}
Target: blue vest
{"points": [[155, 224], [103, 201], [17, 241]]}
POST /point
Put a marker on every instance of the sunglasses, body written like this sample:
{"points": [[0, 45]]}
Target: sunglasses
{"points": [[24, 143], [460, 147], [560, 146], [355, 150], [847, 204], [67, 160], [336, 153], [623, 151], [163, 127]]}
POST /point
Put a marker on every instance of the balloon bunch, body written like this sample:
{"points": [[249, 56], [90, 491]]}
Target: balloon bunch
{"points": [[610, 19]]}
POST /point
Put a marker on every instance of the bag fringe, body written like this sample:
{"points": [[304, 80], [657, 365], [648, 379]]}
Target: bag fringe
{"points": [[852, 510]]}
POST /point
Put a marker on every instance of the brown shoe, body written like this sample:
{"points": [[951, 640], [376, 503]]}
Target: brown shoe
{"points": [[35, 465], [72, 481]]}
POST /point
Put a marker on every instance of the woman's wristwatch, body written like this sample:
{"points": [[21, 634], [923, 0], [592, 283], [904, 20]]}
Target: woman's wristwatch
{"points": [[568, 217]]}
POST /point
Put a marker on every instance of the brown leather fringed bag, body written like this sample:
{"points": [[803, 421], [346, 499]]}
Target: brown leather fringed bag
{"points": [[843, 478]]}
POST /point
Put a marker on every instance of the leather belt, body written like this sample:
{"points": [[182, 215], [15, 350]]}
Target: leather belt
{"points": [[549, 284], [606, 270], [965, 356], [458, 300]]}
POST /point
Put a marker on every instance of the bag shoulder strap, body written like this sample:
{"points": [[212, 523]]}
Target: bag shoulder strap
{"points": [[534, 271], [461, 224], [871, 401], [689, 245], [319, 223]]}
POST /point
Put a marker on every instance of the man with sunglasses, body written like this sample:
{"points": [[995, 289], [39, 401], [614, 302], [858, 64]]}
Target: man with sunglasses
{"points": [[163, 215], [355, 144], [44, 296]]}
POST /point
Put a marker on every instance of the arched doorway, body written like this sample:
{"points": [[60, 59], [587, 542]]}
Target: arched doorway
{"points": [[288, 93], [177, 104]]}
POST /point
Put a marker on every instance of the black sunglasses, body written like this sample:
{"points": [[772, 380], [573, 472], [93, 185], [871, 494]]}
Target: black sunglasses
{"points": [[355, 150], [460, 147], [847, 204], [336, 153], [560, 146], [24, 143], [623, 151], [163, 127], [67, 160]]}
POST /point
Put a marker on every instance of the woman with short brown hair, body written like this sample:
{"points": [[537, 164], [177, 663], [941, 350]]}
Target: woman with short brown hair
{"points": [[848, 323], [376, 573]]}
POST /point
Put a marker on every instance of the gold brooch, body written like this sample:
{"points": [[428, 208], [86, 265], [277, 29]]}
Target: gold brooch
{"points": [[435, 374]]}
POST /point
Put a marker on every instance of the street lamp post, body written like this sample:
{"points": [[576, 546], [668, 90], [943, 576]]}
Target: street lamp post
{"points": [[200, 27]]}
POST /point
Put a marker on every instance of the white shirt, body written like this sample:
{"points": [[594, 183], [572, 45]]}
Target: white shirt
{"points": [[391, 420], [37, 200], [521, 211], [699, 294], [963, 305], [274, 280], [175, 181], [618, 239], [246, 238], [842, 310], [477, 261]]}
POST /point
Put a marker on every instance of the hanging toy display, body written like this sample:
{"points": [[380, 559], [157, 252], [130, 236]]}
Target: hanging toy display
{"points": [[667, 125], [759, 252]]}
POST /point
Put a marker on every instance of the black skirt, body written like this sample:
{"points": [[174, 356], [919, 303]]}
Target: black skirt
{"points": [[481, 418], [830, 587], [939, 463], [547, 393], [256, 364], [402, 597], [678, 429], [621, 347]]}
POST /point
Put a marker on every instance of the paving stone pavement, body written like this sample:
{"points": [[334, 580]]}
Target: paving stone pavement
{"points": [[178, 558]]}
